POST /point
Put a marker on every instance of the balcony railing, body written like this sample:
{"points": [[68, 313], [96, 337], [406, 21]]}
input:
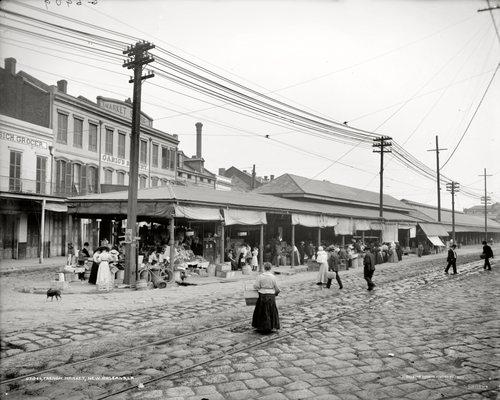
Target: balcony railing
{"points": [[31, 186]]}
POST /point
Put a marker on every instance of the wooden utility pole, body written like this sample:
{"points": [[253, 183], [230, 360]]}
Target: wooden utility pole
{"points": [[437, 149], [485, 200], [453, 187], [138, 56], [253, 177], [384, 145]]}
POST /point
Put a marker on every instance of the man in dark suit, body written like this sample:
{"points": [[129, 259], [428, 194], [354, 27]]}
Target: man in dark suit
{"points": [[452, 260], [369, 268], [333, 265], [487, 254]]}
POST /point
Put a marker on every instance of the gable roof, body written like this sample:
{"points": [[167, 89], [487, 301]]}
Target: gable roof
{"points": [[294, 186]]}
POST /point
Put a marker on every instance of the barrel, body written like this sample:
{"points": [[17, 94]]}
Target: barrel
{"points": [[141, 284]]}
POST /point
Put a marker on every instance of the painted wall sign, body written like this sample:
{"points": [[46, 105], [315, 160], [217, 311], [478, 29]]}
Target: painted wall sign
{"points": [[24, 140], [121, 162], [123, 109]]}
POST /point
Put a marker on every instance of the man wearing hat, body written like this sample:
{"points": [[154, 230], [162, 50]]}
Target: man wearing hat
{"points": [[452, 260], [333, 265]]}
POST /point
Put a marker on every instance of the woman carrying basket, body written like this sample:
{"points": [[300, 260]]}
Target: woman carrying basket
{"points": [[265, 315]]}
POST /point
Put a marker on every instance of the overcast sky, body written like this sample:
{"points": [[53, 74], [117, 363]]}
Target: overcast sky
{"points": [[407, 69]]}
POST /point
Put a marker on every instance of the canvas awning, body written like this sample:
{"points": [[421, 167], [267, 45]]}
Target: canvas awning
{"points": [[56, 207], [362, 225], [435, 241], [433, 229], [235, 216], [321, 221], [390, 233], [345, 226], [198, 213], [376, 226]]}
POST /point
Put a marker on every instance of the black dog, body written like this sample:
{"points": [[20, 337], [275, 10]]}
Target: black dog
{"points": [[53, 292]]}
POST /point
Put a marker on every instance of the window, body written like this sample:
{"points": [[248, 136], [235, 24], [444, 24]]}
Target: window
{"points": [[63, 177], [120, 178], [201, 179], [77, 132], [15, 171], [109, 142], [77, 178], [189, 176], [155, 155], [62, 128], [92, 137], [154, 181], [91, 179], [164, 158], [172, 159], [164, 182], [144, 152], [121, 144], [142, 181], [41, 174], [180, 174], [108, 176]]}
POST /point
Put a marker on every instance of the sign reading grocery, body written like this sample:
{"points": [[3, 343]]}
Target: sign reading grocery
{"points": [[24, 140], [123, 109], [121, 162]]}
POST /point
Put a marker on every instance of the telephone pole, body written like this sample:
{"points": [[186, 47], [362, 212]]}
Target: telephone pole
{"points": [[383, 145], [437, 149], [137, 57], [253, 177], [453, 187], [485, 199]]}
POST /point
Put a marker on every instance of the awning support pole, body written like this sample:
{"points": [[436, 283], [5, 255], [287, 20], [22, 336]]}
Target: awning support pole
{"points": [[319, 236], [171, 229], [42, 231], [261, 248], [292, 258], [222, 244]]}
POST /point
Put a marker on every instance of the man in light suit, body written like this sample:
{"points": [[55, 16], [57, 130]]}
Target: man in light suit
{"points": [[452, 260]]}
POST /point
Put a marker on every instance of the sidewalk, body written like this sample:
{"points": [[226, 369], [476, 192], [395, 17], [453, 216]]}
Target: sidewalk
{"points": [[31, 264]]}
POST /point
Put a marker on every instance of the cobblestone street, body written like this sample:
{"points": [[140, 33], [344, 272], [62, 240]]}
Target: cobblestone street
{"points": [[421, 334]]}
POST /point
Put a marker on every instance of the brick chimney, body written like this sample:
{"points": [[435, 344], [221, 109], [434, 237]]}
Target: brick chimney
{"points": [[222, 171], [271, 177], [198, 125], [62, 86], [10, 65]]}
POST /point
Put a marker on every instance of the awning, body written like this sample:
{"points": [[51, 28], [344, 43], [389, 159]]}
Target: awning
{"points": [[198, 213], [376, 226], [362, 225], [435, 240], [56, 207], [234, 216], [321, 221], [405, 226], [433, 229], [390, 233], [344, 227]]}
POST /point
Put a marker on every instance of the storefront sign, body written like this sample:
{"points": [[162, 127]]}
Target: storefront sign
{"points": [[24, 140], [124, 110], [121, 162]]}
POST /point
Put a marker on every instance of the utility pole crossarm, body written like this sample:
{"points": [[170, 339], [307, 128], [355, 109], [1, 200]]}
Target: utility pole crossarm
{"points": [[485, 199], [453, 187], [437, 149], [382, 145]]}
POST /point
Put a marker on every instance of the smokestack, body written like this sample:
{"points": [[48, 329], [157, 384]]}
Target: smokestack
{"points": [[198, 125], [62, 86], [10, 65]]}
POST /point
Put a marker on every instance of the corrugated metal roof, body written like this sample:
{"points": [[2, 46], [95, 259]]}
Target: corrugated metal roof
{"points": [[463, 222], [289, 184], [248, 200]]}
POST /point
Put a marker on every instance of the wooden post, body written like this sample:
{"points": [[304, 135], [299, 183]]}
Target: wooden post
{"points": [[292, 258], [261, 248], [171, 229], [319, 236], [42, 231], [363, 236], [222, 239]]}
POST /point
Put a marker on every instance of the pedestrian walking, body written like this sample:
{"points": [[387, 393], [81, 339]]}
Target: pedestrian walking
{"points": [[399, 251], [105, 279], [333, 266], [487, 254], [322, 259], [369, 268], [452, 260], [265, 315], [420, 250]]}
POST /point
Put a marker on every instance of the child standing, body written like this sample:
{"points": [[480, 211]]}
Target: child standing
{"points": [[255, 262]]}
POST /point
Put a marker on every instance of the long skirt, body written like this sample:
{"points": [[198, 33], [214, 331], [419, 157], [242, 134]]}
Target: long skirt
{"points": [[93, 273], [323, 269], [265, 314], [105, 279]]}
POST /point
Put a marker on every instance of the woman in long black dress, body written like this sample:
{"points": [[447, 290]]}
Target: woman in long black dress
{"points": [[95, 266], [265, 316]]}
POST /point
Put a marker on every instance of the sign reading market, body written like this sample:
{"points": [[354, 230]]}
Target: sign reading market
{"points": [[122, 108]]}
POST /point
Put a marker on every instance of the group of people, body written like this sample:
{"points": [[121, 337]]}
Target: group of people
{"points": [[243, 255], [452, 258]]}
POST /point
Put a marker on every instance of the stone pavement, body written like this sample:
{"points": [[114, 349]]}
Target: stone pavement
{"points": [[398, 328]]}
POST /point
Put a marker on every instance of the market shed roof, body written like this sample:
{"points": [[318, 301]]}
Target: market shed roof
{"points": [[463, 222], [158, 201], [294, 186]]}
